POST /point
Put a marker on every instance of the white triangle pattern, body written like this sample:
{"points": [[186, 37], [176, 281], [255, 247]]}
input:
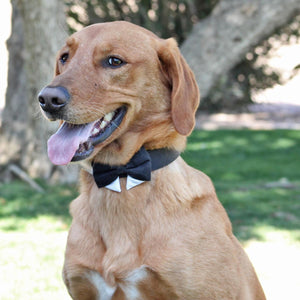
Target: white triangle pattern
{"points": [[130, 183]]}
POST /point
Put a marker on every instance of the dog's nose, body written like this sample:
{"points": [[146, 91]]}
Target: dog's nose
{"points": [[53, 99]]}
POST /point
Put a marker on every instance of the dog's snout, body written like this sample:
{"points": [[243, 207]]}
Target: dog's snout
{"points": [[53, 99]]}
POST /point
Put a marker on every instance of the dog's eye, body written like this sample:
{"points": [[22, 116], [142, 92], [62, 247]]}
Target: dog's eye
{"points": [[114, 62], [64, 57]]}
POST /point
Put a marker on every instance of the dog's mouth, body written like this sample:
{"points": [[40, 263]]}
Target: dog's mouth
{"points": [[73, 142]]}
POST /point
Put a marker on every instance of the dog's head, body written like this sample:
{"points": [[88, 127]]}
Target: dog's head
{"points": [[118, 87]]}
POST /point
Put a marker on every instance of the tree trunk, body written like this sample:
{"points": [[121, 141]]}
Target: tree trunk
{"points": [[220, 41], [38, 31]]}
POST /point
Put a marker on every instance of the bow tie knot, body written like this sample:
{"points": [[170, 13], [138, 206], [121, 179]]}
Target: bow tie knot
{"points": [[139, 167]]}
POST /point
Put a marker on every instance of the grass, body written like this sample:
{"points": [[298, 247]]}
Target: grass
{"points": [[256, 175], [33, 232], [22, 207]]}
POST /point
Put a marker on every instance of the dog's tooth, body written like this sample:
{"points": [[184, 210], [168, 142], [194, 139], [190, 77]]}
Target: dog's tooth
{"points": [[95, 131], [103, 124], [108, 117]]}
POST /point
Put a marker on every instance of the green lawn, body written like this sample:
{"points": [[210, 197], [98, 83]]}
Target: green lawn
{"points": [[256, 175], [257, 178], [33, 231]]}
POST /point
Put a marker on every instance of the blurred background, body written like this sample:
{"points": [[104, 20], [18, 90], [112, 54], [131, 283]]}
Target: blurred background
{"points": [[246, 59]]}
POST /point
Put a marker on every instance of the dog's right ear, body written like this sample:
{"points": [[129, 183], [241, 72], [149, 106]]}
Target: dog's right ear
{"points": [[184, 90]]}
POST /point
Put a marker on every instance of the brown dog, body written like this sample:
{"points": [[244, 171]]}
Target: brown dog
{"points": [[119, 90]]}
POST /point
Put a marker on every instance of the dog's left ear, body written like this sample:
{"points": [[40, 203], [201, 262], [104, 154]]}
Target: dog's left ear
{"points": [[184, 90]]}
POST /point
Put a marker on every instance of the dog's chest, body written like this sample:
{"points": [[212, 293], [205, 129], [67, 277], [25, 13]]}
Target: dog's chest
{"points": [[129, 287]]}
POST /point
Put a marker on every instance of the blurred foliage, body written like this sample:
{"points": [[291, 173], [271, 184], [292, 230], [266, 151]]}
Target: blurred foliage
{"points": [[166, 18], [233, 90], [263, 75]]}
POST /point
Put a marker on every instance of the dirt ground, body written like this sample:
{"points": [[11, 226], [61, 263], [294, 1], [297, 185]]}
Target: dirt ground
{"points": [[265, 116]]}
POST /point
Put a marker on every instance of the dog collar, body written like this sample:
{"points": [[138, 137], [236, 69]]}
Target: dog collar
{"points": [[137, 170]]}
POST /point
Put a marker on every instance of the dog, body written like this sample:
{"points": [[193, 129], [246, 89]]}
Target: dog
{"points": [[145, 225]]}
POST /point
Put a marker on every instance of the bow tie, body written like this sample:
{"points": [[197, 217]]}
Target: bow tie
{"points": [[137, 170]]}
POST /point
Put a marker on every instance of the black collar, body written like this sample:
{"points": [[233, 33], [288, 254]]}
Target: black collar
{"points": [[139, 167]]}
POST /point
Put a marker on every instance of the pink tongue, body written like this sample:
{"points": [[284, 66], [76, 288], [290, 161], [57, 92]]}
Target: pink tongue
{"points": [[63, 144]]}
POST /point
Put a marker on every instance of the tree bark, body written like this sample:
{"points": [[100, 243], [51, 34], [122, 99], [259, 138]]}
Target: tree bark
{"points": [[38, 31], [220, 41]]}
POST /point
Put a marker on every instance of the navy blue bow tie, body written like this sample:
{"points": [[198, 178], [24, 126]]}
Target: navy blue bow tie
{"points": [[139, 167]]}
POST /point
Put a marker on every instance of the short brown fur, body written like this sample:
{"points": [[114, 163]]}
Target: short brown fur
{"points": [[172, 227]]}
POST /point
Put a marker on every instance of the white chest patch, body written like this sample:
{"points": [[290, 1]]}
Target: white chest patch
{"points": [[128, 286], [105, 292]]}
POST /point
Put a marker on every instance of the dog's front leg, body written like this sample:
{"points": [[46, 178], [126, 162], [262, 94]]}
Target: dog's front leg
{"points": [[83, 262], [85, 284], [79, 285]]}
